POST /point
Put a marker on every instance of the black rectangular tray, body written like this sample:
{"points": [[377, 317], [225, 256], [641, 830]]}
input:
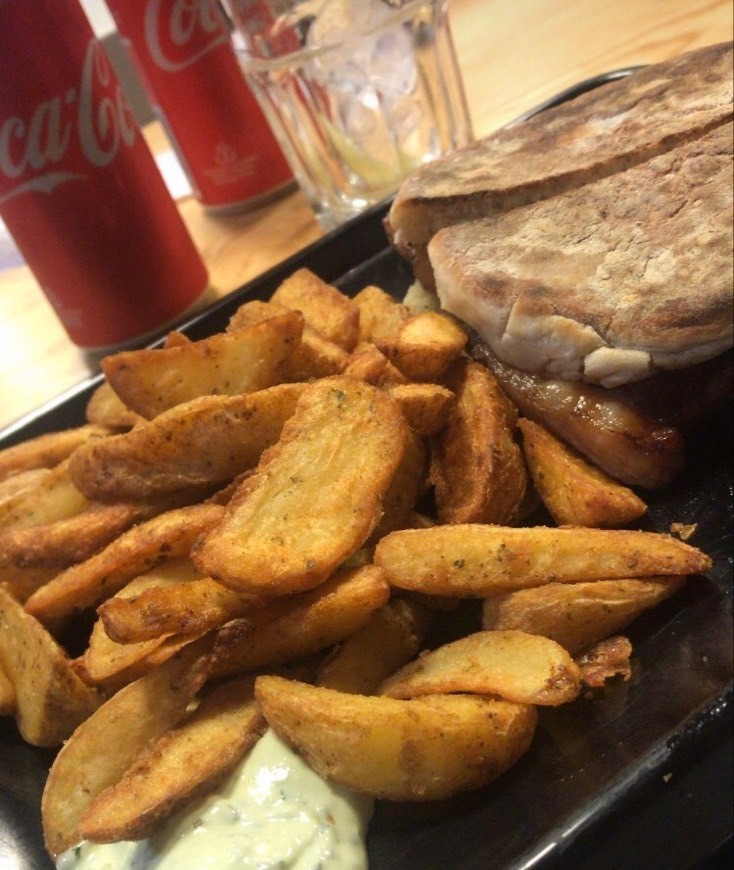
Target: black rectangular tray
{"points": [[641, 777]]}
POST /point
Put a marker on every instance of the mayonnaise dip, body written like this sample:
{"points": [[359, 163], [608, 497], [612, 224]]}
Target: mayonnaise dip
{"points": [[273, 812]]}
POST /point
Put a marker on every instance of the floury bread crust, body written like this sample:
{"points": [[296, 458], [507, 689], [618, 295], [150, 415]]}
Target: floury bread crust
{"points": [[596, 135], [609, 282]]}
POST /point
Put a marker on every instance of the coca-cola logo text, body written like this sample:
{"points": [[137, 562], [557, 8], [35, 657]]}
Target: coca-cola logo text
{"points": [[97, 118], [179, 32]]}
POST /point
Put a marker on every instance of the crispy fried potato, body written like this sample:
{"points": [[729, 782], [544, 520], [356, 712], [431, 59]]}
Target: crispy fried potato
{"points": [[477, 469], [575, 492], [425, 345], [106, 408], [52, 497], [426, 407], [576, 615], [21, 481], [187, 761], [392, 636], [50, 700], [605, 660], [25, 581], [106, 661], [380, 315], [46, 451], [515, 665], [106, 744], [422, 749], [184, 607], [67, 541], [151, 381], [316, 495], [84, 585], [480, 560], [314, 357], [200, 444], [297, 626], [7, 694], [326, 309], [408, 484]]}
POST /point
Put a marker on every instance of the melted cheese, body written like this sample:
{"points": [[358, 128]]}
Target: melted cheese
{"points": [[273, 812]]}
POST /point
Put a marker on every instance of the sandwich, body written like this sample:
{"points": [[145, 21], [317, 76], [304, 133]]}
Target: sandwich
{"points": [[604, 303], [600, 133]]}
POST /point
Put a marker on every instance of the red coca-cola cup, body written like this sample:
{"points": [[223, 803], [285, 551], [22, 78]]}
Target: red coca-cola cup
{"points": [[79, 190], [183, 53]]}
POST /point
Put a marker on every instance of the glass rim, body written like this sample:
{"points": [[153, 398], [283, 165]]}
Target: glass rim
{"points": [[255, 63]]}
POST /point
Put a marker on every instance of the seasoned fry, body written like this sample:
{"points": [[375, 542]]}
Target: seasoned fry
{"points": [[184, 607], [604, 660], [575, 492], [379, 314], [425, 345], [187, 761], [327, 310], [84, 585], [52, 497], [7, 694], [409, 482], [477, 560], [422, 749], [106, 408], [106, 744], [316, 495], [515, 665], [50, 700], [426, 407], [46, 451], [477, 469], [576, 615], [67, 541], [151, 381], [105, 661], [297, 626], [200, 444], [22, 481], [392, 636], [314, 357]]}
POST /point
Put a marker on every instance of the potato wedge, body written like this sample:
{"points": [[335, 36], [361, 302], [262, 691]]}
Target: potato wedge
{"points": [[106, 408], [151, 381], [84, 585], [21, 481], [477, 469], [106, 660], [7, 694], [316, 495], [480, 560], [409, 483], [46, 451], [314, 357], [515, 665], [67, 541], [297, 626], [391, 637], [106, 744], [426, 407], [326, 309], [574, 491], [184, 607], [576, 615], [52, 497], [50, 700], [422, 749], [200, 444], [185, 762], [380, 315], [425, 345]]}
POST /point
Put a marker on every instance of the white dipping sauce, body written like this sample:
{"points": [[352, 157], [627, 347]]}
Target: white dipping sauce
{"points": [[273, 812]]}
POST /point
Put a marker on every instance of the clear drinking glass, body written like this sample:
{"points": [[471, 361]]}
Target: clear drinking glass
{"points": [[358, 92]]}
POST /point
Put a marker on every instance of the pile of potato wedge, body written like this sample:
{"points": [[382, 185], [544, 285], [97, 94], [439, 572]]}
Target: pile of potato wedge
{"points": [[267, 527]]}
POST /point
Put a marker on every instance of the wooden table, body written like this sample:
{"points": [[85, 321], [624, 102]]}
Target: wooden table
{"points": [[513, 55]]}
